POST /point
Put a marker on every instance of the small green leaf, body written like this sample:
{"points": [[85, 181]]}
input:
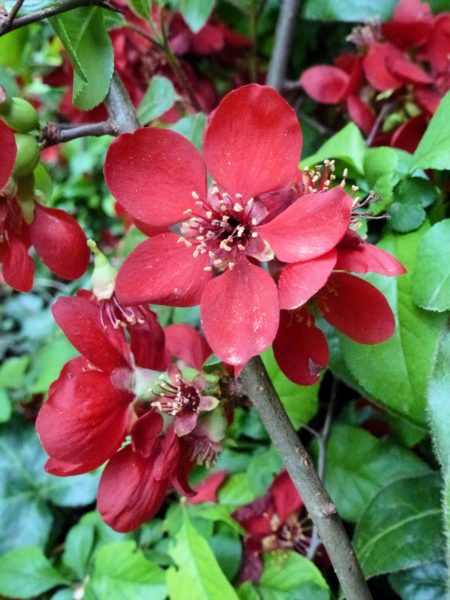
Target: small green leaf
{"points": [[197, 573], [289, 575], [396, 372], [5, 407], [192, 128], [433, 151], [141, 8], [12, 372], [300, 402], [430, 285], [412, 196], [49, 361], [77, 549], [401, 528], [352, 11], [26, 572], [427, 582], [122, 571], [236, 490], [347, 145], [159, 97], [195, 12]]}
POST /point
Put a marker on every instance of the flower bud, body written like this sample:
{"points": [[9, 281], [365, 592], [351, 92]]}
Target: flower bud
{"points": [[19, 114], [104, 276], [5, 102], [28, 154]]}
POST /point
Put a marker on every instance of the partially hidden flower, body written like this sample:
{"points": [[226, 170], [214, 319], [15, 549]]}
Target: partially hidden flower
{"points": [[224, 231]]}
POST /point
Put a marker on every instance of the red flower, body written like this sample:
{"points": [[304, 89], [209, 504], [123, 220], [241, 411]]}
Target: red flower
{"points": [[55, 235], [206, 491], [272, 522], [160, 179]]}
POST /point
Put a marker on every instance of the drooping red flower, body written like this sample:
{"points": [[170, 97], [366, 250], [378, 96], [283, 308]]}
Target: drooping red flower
{"points": [[272, 523], [160, 178], [55, 235]]}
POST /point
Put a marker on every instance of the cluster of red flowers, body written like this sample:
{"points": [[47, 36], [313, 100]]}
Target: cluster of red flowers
{"points": [[399, 73], [258, 239], [24, 222], [126, 388]]}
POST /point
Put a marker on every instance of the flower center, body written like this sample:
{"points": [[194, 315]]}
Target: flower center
{"points": [[223, 227], [113, 312], [178, 396]]}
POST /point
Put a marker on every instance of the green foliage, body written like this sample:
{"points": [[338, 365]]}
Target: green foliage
{"points": [[430, 286], [84, 35], [192, 128], [411, 197], [427, 582], [396, 372], [433, 151], [348, 10], [347, 145], [401, 528], [195, 12], [26, 572], [141, 8], [159, 97], [197, 573], [359, 465]]}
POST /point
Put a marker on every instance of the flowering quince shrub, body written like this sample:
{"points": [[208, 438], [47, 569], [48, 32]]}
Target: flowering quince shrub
{"points": [[260, 270]]}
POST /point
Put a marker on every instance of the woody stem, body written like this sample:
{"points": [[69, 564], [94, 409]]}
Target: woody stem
{"points": [[300, 467]]}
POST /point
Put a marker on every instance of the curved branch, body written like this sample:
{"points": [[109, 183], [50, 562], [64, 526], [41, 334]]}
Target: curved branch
{"points": [[282, 46], [308, 484]]}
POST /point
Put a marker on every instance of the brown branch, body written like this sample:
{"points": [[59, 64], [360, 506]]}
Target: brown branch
{"points": [[300, 467], [282, 46], [52, 133], [122, 114], [7, 24]]}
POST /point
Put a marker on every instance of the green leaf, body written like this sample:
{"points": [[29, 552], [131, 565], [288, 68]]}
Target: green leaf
{"points": [[192, 128], [401, 528], [77, 549], [236, 490], [121, 572], [195, 12], [5, 407], [347, 145], [300, 402], [430, 284], [198, 574], [141, 8], [289, 575], [84, 35], [50, 359], [348, 10], [396, 372], [159, 97], [359, 465], [12, 372], [27, 490], [412, 196], [438, 404], [214, 512], [433, 151], [427, 582], [26, 572]]}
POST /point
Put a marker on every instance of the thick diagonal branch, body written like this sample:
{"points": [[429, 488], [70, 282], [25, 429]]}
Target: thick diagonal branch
{"points": [[284, 34], [304, 476]]}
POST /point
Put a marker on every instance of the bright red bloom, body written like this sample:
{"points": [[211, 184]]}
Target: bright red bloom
{"points": [[55, 235], [206, 491], [272, 522], [160, 178]]}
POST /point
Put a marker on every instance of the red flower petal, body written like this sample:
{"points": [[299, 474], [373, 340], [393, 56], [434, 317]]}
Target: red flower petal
{"points": [[402, 67], [128, 494], [206, 491], [18, 266], [239, 312], [410, 25], [325, 84], [300, 281], [145, 431], [8, 152], [286, 498], [253, 141], [360, 113], [356, 308], [367, 258], [84, 420], [60, 242], [408, 135], [185, 342], [148, 343], [65, 469], [162, 271], [300, 348], [80, 321], [376, 69], [153, 172], [311, 226]]}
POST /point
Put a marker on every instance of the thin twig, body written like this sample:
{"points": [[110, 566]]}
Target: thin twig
{"points": [[54, 134], [300, 467], [284, 34], [11, 15], [378, 122], [322, 440], [8, 25]]}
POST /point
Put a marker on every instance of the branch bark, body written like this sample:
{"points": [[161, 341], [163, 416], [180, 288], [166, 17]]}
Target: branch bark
{"points": [[282, 46], [52, 133], [8, 24], [120, 108], [300, 467]]}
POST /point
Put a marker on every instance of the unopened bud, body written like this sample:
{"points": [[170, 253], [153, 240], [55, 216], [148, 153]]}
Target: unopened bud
{"points": [[20, 115], [104, 275], [28, 153]]}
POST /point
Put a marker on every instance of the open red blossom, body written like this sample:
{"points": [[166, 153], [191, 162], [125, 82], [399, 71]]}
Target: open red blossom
{"points": [[252, 147], [351, 305], [272, 523]]}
